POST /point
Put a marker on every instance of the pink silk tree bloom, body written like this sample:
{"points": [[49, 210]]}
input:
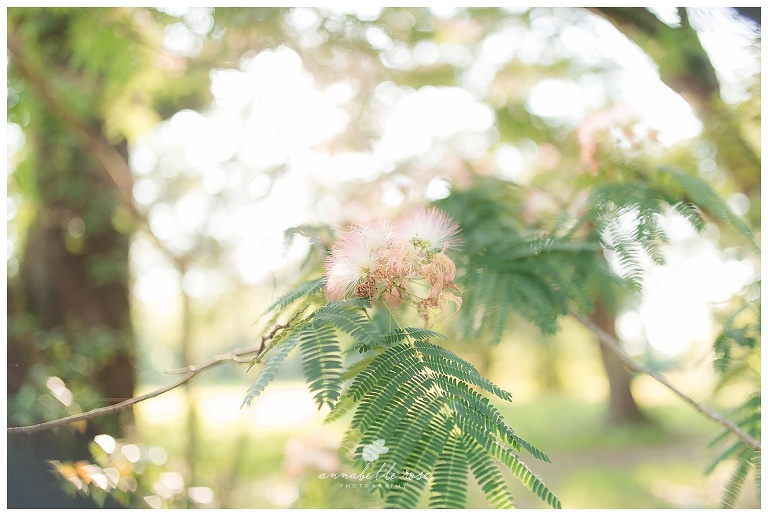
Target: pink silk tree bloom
{"points": [[355, 260], [428, 230], [402, 259], [379, 261], [375, 234], [347, 267], [439, 273]]}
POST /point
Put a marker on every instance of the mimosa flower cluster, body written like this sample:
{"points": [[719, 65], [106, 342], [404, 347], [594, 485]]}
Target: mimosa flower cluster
{"points": [[395, 262]]}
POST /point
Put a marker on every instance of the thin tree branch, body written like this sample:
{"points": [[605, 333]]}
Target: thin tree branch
{"points": [[189, 372], [104, 411], [613, 345]]}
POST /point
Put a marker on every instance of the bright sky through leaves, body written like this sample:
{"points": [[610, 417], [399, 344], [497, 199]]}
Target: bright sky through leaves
{"points": [[266, 142], [270, 113]]}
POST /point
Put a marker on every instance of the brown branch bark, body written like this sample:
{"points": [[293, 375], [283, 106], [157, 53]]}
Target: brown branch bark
{"points": [[622, 406], [612, 344]]}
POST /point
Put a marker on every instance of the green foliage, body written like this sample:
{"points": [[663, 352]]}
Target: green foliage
{"points": [[626, 214], [322, 362], [422, 400], [627, 220], [733, 348], [538, 274], [450, 476], [425, 402], [694, 191], [348, 317], [423, 416], [737, 338], [270, 369], [106, 64], [401, 334], [306, 289], [747, 459], [736, 350]]}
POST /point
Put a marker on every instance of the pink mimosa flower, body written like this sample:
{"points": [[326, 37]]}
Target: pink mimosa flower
{"points": [[428, 230], [355, 258], [375, 234], [379, 261]]}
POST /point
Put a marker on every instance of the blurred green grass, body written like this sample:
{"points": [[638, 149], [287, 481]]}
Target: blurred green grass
{"points": [[252, 463]]}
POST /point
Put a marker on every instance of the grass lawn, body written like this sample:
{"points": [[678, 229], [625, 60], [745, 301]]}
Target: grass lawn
{"points": [[273, 454]]}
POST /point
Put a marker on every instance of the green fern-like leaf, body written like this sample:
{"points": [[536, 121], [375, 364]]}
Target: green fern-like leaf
{"points": [[370, 376], [746, 459], [756, 458], [487, 474], [322, 363], [731, 339], [306, 289], [270, 369], [509, 459], [486, 304], [443, 361], [731, 452], [691, 213], [736, 483], [540, 275], [352, 371], [348, 317], [449, 479], [421, 399], [356, 368], [400, 334], [528, 478], [383, 407], [419, 456], [641, 202], [701, 194], [473, 401]]}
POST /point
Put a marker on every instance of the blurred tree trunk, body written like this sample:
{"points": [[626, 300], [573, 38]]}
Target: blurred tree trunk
{"points": [[622, 407], [73, 276], [74, 270], [76, 287], [74, 282]]}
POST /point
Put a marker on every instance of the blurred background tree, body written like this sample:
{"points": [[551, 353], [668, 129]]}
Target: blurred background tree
{"points": [[83, 83], [182, 136]]}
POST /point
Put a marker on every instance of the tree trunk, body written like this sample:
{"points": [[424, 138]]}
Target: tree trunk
{"points": [[622, 408], [73, 283]]}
